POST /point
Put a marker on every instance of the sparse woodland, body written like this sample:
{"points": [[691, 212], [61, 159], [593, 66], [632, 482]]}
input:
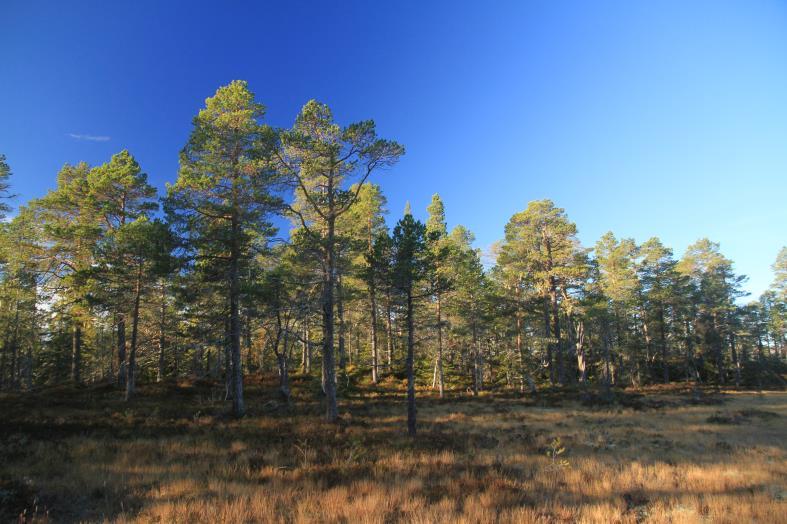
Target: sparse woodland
{"points": [[188, 357]]}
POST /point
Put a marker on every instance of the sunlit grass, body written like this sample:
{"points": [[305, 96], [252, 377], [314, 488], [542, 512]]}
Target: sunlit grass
{"points": [[169, 458]]}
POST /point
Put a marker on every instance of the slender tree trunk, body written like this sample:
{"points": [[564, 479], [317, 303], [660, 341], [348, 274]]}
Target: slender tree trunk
{"points": [[329, 283], [121, 341], [570, 349], [76, 353], [29, 369], [227, 363], [281, 360], [246, 340], [620, 343], [132, 354], [238, 407], [663, 340], [341, 325], [607, 358], [306, 360], [580, 349], [717, 343], [373, 330], [519, 350], [3, 363], [162, 319], [648, 343], [304, 343], [411, 412], [547, 334], [760, 359], [526, 377], [440, 376], [476, 370], [373, 304], [555, 314], [15, 354], [176, 363], [735, 361], [389, 331], [284, 377]]}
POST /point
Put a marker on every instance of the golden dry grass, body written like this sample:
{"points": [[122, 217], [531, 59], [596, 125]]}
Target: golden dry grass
{"points": [[171, 457]]}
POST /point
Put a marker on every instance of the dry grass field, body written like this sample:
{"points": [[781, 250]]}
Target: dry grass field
{"points": [[171, 455]]}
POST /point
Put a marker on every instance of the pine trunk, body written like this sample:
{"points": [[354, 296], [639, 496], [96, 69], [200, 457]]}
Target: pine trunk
{"points": [[238, 407], [76, 353], [121, 329], [132, 354], [329, 283], [411, 412]]}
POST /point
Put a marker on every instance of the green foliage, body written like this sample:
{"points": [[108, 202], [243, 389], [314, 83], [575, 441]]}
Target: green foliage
{"points": [[5, 175], [209, 280], [555, 452], [409, 257]]}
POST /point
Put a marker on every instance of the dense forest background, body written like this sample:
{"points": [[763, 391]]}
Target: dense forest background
{"points": [[104, 280]]}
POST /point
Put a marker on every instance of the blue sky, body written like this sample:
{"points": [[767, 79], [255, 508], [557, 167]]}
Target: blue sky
{"points": [[645, 118]]}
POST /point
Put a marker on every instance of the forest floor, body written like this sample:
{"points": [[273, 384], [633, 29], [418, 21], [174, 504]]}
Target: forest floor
{"points": [[172, 455]]}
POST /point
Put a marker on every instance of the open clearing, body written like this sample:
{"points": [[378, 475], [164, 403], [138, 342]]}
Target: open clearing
{"points": [[172, 456]]}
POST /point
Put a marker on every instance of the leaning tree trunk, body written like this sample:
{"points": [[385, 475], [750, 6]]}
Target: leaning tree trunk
{"points": [[410, 371]]}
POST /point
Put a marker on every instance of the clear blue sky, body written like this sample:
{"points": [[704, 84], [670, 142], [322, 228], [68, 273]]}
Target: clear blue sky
{"points": [[645, 118]]}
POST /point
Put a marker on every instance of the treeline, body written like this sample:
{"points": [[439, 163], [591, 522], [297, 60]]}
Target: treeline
{"points": [[103, 280]]}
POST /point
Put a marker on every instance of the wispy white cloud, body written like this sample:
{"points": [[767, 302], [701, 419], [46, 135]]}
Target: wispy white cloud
{"points": [[89, 138]]}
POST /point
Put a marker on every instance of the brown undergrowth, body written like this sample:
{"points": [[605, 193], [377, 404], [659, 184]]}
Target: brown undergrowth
{"points": [[171, 455]]}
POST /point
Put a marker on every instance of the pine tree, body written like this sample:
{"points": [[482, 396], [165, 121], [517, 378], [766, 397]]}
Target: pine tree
{"points": [[409, 267], [657, 276], [620, 285], [70, 231], [362, 223], [715, 288], [320, 158], [223, 197], [120, 192], [541, 245], [436, 237]]}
